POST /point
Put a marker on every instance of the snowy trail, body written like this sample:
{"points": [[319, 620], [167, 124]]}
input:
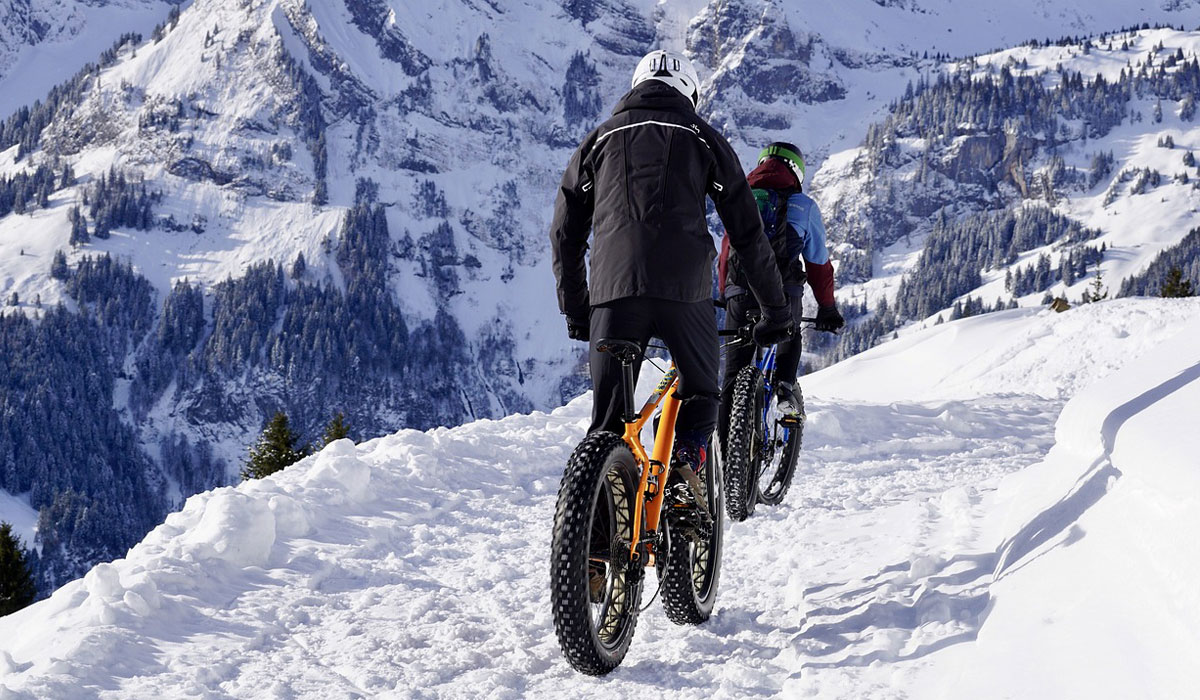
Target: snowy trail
{"points": [[436, 584], [922, 537]]}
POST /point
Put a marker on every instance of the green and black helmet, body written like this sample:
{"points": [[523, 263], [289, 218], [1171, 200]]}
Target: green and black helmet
{"points": [[788, 153]]}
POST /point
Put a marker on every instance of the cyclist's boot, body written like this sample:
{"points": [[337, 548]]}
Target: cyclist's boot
{"points": [[791, 405], [687, 506], [597, 581]]}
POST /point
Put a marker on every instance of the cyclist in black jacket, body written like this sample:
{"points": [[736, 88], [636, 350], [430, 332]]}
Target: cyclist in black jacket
{"points": [[637, 186]]}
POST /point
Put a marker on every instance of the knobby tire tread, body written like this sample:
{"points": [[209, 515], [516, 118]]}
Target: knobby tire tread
{"points": [[741, 454], [569, 593], [682, 602]]}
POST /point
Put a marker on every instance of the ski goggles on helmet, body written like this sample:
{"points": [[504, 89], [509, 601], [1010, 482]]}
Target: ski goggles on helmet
{"points": [[793, 159]]}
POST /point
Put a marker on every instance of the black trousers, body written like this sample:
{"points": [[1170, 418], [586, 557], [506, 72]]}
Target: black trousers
{"points": [[787, 360], [689, 331]]}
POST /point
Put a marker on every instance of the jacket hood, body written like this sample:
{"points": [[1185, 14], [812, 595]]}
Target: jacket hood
{"points": [[774, 174], [654, 94]]}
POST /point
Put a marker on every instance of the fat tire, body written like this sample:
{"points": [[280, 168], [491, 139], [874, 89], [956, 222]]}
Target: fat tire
{"points": [[692, 571], [743, 444], [599, 467], [778, 482]]}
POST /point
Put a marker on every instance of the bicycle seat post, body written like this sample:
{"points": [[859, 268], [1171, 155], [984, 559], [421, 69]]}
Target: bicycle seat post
{"points": [[627, 353], [628, 382]]}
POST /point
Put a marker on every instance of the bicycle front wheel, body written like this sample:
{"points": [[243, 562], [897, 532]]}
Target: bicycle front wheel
{"points": [[743, 443], [594, 589]]}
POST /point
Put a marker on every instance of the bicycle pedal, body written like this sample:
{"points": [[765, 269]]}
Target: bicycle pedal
{"points": [[680, 493], [691, 524], [792, 421]]}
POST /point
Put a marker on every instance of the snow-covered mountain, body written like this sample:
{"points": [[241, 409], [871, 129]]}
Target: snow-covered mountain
{"points": [[1051, 169], [43, 42], [341, 206], [950, 534]]}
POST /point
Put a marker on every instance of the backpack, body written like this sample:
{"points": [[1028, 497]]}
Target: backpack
{"points": [[772, 209]]}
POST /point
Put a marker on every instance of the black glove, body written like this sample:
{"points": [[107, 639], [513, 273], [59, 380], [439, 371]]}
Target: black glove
{"points": [[577, 329], [775, 326], [829, 319]]}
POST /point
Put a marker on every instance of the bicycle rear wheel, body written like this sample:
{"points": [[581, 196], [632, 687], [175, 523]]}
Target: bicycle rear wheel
{"points": [[777, 477], [781, 454], [691, 570], [742, 451], [594, 590]]}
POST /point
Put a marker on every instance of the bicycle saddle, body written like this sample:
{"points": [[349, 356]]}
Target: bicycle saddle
{"points": [[626, 351]]}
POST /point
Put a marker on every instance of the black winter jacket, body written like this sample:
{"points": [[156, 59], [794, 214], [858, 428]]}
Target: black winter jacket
{"points": [[638, 183]]}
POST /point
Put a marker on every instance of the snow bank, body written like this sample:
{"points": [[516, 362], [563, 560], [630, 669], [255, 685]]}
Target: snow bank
{"points": [[1093, 592], [214, 571], [1021, 351], [215, 543]]}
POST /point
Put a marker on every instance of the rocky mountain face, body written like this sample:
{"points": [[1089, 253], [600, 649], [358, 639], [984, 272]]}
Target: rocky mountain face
{"points": [[27, 23], [286, 206], [316, 207]]}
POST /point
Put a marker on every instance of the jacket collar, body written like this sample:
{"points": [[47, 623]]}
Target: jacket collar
{"points": [[656, 95]]}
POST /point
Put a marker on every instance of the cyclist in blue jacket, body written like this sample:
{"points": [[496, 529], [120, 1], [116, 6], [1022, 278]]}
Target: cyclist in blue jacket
{"points": [[797, 236]]}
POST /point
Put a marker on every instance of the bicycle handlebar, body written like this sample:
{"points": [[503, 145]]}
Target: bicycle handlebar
{"points": [[747, 329], [745, 334]]}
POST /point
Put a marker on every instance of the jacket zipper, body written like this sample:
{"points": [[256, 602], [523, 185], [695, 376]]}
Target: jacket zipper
{"points": [[664, 182]]}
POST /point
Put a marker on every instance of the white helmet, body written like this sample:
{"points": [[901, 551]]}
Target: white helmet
{"points": [[672, 68]]}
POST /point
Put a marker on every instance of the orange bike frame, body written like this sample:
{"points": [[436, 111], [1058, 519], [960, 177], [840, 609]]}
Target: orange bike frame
{"points": [[653, 465]]}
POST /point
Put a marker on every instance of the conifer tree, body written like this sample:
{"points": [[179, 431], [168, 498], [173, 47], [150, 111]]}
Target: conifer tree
{"points": [[79, 230], [275, 449], [1097, 290], [16, 581], [336, 429], [1175, 286], [299, 266]]}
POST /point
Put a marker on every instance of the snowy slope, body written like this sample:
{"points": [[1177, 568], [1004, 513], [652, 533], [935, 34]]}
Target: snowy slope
{"points": [[932, 544], [1114, 503], [43, 42], [1020, 351]]}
